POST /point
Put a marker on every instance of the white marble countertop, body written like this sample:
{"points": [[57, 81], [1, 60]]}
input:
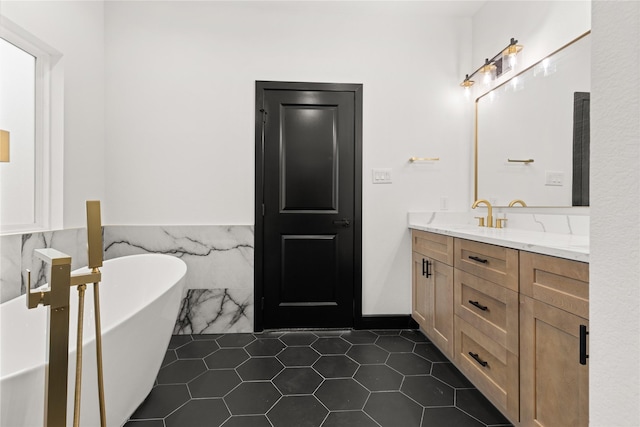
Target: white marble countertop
{"points": [[569, 246]]}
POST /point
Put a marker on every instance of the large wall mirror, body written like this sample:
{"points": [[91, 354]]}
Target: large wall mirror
{"points": [[532, 133]]}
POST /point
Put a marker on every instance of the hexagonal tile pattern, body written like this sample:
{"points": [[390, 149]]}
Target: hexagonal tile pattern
{"points": [[298, 338], [342, 394], [298, 356], [297, 411], [367, 354], [252, 398], [235, 340], [181, 371], [297, 381], [360, 337], [163, 400], [428, 391], [335, 366], [265, 347], [378, 377], [259, 368], [395, 343], [331, 345], [226, 358], [215, 383], [393, 409], [328, 378], [197, 349], [196, 410], [409, 364]]}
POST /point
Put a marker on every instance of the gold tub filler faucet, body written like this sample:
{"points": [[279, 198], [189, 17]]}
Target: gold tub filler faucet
{"points": [[57, 297]]}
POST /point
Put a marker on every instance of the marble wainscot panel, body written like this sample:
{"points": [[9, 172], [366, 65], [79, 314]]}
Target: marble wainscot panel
{"points": [[218, 295], [18, 255]]}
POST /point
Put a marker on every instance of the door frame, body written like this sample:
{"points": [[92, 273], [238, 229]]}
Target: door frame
{"points": [[258, 287]]}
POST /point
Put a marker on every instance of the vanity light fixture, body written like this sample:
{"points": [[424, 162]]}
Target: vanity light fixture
{"points": [[489, 68], [511, 52], [4, 146]]}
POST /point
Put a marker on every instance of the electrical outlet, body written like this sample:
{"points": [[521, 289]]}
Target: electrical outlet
{"points": [[381, 176], [554, 178]]}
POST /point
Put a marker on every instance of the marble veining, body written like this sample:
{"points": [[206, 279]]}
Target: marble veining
{"points": [[560, 244], [219, 281], [206, 311]]}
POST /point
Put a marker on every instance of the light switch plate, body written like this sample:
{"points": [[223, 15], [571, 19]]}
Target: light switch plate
{"points": [[381, 176]]}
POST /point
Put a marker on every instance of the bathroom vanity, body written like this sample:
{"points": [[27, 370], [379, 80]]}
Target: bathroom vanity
{"points": [[510, 309]]}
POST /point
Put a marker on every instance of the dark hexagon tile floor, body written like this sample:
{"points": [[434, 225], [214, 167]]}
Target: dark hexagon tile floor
{"points": [[311, 378]]}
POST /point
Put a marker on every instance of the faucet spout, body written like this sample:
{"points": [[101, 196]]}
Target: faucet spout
{"points": [[516, 202], [489, 210]]}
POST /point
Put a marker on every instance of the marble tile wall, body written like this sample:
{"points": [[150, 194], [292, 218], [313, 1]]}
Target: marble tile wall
{"points": [[17, 255], [218, 295]]}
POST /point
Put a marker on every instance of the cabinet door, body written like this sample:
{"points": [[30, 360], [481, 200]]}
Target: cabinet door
{"points": [[419, 290], [440, 306], [554, 388]]}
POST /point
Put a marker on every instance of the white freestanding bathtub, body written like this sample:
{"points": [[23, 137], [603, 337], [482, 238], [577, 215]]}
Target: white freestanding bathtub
{"points": [[139, 301]]}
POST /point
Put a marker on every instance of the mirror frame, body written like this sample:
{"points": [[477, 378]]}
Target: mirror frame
{"points": [[475, 130]]}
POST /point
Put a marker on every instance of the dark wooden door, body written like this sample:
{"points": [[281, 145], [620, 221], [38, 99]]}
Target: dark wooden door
{"points": [[308, 204]]}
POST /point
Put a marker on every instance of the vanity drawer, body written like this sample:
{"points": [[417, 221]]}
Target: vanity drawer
{"points": [[494, 263], [559, 282], [491, 367], [490, 308], [432, 245]]}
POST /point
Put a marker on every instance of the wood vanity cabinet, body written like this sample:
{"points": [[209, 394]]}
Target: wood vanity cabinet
{"points": [[486, 321], [514, 322], [554, 312], [433, 287]]}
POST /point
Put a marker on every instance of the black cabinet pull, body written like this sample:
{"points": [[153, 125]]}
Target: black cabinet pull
{"points": [[429, 265], [480, 306], [424, 267], [583, 344], [477, 358], [475, 258]]}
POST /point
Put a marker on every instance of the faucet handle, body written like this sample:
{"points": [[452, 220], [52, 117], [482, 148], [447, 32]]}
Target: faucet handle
{"points": [[480, 221], [34, 299], [500, 222]]}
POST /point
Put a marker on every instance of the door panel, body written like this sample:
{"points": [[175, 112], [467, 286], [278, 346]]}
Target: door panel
{"points": [[308, 228], [309, 158]]}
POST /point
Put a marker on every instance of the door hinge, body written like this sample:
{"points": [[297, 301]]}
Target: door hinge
{"points": [[264, 115], [263, 209]]}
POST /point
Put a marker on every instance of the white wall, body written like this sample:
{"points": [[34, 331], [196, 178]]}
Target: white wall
{"points": [[76, 29], [180, 111], [614, 300]]}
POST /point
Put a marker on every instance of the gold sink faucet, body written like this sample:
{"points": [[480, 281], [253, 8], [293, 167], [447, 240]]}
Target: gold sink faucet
{"points": [[517, 201], [489, 211]]}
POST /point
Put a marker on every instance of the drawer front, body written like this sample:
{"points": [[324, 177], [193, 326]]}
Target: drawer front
{"points": [[491, 308], [491, 367], [494, 263], [432, 245], [558, 282]]}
